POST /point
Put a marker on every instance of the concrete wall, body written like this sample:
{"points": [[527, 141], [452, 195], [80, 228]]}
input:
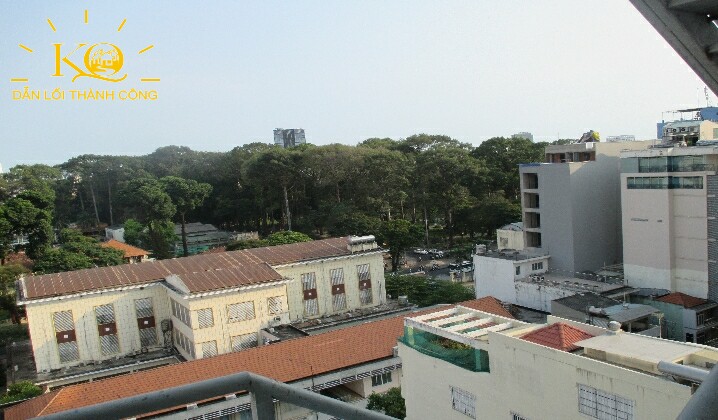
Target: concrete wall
{"points": [[538, 296], [510, 239], [494, 277], [321, 269], [532, 381]]}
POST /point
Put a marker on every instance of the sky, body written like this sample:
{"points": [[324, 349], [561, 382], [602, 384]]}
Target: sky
{"points": [[232, 71]]}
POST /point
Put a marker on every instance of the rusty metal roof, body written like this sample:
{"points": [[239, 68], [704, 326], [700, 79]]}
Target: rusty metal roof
{"points": [[252, 266]]}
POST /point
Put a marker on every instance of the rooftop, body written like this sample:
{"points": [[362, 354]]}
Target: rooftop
{"points": [[558, 336], [582, 301], [514, 255], [682, 299], [516, 226], [575, 284], [285, 361], [249, 261], [129, 250]]}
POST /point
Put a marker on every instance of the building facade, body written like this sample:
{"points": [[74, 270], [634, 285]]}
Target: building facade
{"points": [[571, 204], [669, 201], [289, 137], [467, 364], [202, 305]]}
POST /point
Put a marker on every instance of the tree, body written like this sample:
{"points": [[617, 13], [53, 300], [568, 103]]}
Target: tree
{"points": [[147, 200], [77, 252], [186, 195], [8, 275], [399, 235], [503, 156], [426, 292], [21, 390], [390, 403], [286, 237]]}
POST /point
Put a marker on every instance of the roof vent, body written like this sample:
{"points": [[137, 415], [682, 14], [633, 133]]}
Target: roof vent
{"points": [[614, 327]]}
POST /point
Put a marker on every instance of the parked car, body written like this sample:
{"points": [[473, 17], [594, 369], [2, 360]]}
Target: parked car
{"points": [[435, 253], [467, 266], [421, 251], [454, 268]]}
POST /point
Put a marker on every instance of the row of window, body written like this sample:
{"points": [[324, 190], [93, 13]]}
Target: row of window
{"points": [[591, 401], [381, 379], [666, 164], [665, 182], [534, 267], [209, 348], [109, 342], [236, 312], [339, 300]]}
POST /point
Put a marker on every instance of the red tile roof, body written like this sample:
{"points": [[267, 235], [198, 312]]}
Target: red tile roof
{"points": [[678, 298], [129, 250], [132, 274], [558, 336], [488, 304], [286, 361]]}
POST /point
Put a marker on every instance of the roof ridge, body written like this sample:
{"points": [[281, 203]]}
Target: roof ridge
{"points": [[49, 403]]}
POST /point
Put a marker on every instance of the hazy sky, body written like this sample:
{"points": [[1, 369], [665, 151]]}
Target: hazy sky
{"points": [[232, 71]]}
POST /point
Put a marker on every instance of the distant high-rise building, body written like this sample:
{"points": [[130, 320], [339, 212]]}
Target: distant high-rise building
{"points": [[523, 135], [290, 137]]}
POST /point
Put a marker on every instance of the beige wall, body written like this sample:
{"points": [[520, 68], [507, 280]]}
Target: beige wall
{"points": [[510, 239], [532, 381], [42, 330], [665, 234], [351, 282]]}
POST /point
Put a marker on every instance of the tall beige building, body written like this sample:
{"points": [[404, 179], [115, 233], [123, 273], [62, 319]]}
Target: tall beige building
{"points": [[202, 305], [669, 221]]}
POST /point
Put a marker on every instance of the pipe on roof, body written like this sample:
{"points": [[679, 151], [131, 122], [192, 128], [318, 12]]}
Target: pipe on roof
{"points": [[703, 404], [691, 373]]}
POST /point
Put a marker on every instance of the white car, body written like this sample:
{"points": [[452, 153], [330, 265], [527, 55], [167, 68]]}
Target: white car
{"points": [[420, 251]]}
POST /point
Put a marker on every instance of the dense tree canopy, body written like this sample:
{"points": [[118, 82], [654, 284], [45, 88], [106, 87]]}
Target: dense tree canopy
{"points": [[381, 186]]}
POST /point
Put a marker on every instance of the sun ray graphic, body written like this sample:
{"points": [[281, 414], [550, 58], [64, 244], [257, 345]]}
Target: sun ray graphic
{"points": [[24, 48], [121, 25], [52, 26]]}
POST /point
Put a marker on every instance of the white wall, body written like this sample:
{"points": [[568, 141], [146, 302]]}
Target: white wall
{"points": [[538, 296], [532, 381], [510, 239], [494, 277]]}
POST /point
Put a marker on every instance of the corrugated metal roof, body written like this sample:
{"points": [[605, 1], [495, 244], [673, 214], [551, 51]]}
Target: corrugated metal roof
{"points": [[311, 356], [252, 261]]}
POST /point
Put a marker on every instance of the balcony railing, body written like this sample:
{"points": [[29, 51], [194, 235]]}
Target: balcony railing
{"points": [[263, 391], [696, 167]]}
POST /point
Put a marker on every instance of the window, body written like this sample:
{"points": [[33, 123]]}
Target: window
{"points": [[463, 402], [240, 311], [603, 405], [309, 287], [181, 313], [182, 341], [274, 305], [381, 379], [518, 270], [243, 342], [209, 348], [205, 318], [662, 183], [146, 322], [339, 297], [107, 329], [700, 318], [365, 294], [65, 336], [537, 266]]}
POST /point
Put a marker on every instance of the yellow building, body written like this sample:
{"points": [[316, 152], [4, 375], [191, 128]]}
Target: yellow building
{"points": [[204, 305]]}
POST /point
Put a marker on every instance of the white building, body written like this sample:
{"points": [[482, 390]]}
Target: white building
{"points": [[669, 207], [463, 363]]}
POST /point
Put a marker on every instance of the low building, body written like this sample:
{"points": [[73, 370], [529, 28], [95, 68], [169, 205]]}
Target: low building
{"points": [[688, 318], [327, 362], [200, 238], [510, 236], [523, 278], [204, 305], [595, 309], [132, 254], [461, 363]]}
